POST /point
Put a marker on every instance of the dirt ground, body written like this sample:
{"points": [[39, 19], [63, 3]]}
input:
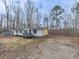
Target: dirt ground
{"points": [[54, 47]]}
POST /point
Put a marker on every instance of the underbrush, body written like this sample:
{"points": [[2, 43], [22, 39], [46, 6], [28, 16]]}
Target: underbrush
{"points": [[66, 32]]}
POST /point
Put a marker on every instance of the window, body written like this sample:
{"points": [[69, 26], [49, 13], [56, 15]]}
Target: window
{"points": [[20, 31], [34, 31], [29, 31]]}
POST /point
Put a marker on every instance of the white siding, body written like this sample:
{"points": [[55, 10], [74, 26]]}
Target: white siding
{"points": [[19, 33], [39, 33]]}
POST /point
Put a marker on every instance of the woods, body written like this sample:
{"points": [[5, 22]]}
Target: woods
{"points": [[28, 15]]}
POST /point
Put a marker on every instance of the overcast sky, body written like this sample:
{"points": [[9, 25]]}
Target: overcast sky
{"points": [[46, 5]]}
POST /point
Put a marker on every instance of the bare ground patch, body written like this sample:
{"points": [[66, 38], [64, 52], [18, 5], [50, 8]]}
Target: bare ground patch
{"points": [[54, 47]]}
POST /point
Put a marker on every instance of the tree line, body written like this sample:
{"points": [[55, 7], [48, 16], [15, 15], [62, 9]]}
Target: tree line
{"points": [[59, 20], [17, 17]]}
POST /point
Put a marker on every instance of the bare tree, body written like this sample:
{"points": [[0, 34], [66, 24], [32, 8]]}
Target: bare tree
{"points": [[75, 11], [55, 14], [1, 22], [46, 21], [29, 10], [7, 13], [37, 18]]}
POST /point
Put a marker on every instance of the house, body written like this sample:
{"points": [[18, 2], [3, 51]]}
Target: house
{"points": [[32, 32], [18, 32]]}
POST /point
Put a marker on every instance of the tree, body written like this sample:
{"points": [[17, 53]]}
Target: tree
{"points": [[18, 17], [46, 21], [17, 10], [14, 9], [67, 21], [7, 12], [37, 18], [1, 22], [56, 14], [75, 11], [29, 11]]}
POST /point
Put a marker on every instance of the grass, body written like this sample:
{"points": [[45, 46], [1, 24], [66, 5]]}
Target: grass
{"points": [[15, 42]]}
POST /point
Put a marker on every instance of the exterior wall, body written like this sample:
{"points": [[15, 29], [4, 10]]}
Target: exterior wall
{"points": [[18, 33], [14, 32], [38, 34], [45, 32], [41, 33]]}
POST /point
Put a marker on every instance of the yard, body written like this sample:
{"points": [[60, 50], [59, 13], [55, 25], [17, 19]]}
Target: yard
{"points": [[51, 47]]}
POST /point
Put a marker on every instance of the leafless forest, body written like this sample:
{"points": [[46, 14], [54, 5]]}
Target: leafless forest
{"points": [[58, 20]]}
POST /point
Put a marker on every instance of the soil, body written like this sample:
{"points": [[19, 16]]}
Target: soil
{"points": [[54, 47]]}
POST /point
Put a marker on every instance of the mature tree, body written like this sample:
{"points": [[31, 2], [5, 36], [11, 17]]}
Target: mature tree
{"points": [[55, 14], [37, 18], [7, 12], [17, 10], [67, 21], [1, 22], [75, 10], [18, 17], [46, 21], [29, 11]]}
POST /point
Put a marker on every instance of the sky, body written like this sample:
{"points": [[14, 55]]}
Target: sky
{"points": [[46, 5]]}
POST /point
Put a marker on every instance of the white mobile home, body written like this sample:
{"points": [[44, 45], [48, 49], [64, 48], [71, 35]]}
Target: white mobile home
{"points": [[32, 32], [36, 32], [18, 33]]}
